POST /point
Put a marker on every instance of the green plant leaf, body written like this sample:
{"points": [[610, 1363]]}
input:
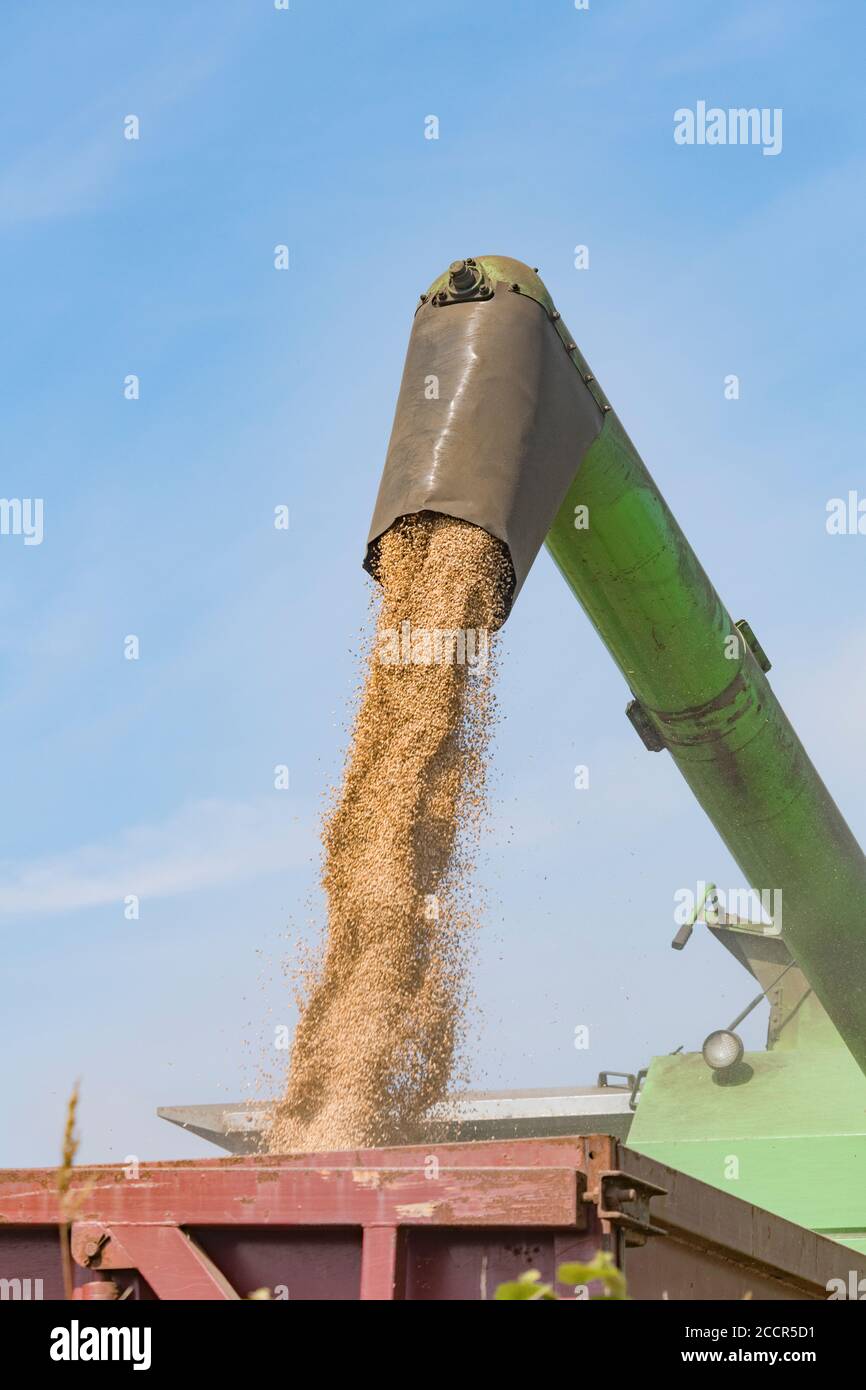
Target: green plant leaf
{"points": [[602, 1267], [526, 1288]]}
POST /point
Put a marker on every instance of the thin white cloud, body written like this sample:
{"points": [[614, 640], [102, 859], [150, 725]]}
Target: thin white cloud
{"points": [[202, 845]]}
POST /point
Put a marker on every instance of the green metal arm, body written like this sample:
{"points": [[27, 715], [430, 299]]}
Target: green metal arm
{"points": [[520, 439], [643, 588]]}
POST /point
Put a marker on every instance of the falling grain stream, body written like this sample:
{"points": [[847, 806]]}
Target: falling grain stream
{"points": [[383, 1016]]}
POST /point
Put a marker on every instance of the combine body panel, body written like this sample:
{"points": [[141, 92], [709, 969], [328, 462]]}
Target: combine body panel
{"points": [[784, 1128], [788, 1132]]}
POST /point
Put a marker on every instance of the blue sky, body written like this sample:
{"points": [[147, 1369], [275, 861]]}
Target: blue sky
{"points": [[258, 388]]}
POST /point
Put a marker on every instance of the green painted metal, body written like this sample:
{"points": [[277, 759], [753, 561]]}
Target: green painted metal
{"points": [[787, 1133], [786, 1129], [798, 1020], [703, 692]]}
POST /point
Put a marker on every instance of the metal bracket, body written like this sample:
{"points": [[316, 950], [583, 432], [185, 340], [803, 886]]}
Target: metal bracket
{"points": [[633, 1080], [753, 644], [627, 1076], [89, 1251], [170, 1260], [637, 1088], [682, 937], [646, 729], [623, 1202]]}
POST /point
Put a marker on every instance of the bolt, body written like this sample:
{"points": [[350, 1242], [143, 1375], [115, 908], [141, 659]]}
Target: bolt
{"points": [[555, 314], [423, 299], [92, 1248], [462, 276], [588, 378], [516, 288]]}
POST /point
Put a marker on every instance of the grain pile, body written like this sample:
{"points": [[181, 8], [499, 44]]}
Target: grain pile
{"points": [[382, 1016]]}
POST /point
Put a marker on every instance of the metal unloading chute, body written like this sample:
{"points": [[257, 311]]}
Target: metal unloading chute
{"points": [[607, 1108]]}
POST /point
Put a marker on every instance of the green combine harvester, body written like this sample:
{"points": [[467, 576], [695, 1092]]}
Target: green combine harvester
{"points": [[501, 422], [519, 438]]}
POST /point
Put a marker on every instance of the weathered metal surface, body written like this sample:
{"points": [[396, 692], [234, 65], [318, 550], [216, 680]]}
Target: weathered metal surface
{"points": [[279, 1194], [535, 1113], [566, 1110], [623, 1204], [104, 1290], [135, 1224], [465, 1265], [491, 416], [236, 1126], [176, 1266], [383, 1269], [429, 1221], [300, 1263], [30, 1262]]}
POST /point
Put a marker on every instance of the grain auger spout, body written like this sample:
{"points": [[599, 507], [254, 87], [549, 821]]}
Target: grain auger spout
{"points": [[501, 422]]}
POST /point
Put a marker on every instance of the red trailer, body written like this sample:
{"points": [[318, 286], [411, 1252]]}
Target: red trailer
{"points": [[442, 1221]]}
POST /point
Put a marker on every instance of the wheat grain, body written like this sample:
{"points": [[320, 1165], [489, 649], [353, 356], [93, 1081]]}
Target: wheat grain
{"points": [[383, 1018]]}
